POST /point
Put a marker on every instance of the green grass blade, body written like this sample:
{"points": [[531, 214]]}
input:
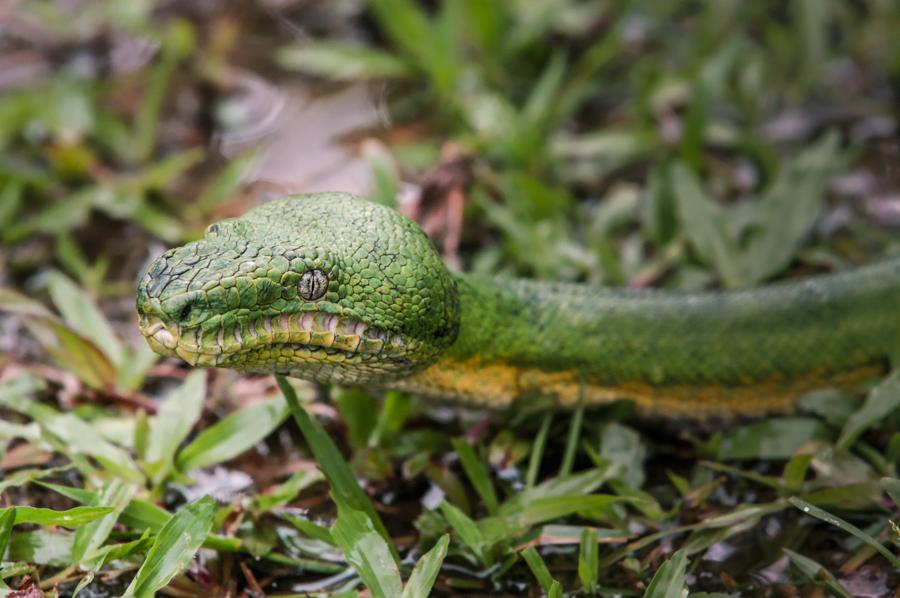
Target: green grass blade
{"points": [[795, 472], [355, 408], [341, 61], [173, 548], [395, 410], [668, 582], [90, 537], [7, 519], [233, 435], [309, 528], [344, 487], [827, 517], [704, 224], [477, 473], [537, 451], [71, 518], [367, 551], [547, 509], [574, 432], [791, 206], [555, 590], [589, 560], [41, 547], [775, 438], [114, 552], [538, 568], [177, 415], [467, 531], [582, 483], [139, 513], [71, 350], [882, 400], [425, 573], [80, 311], [288, 490], [892, 487], [73, 436], [816, 573]]}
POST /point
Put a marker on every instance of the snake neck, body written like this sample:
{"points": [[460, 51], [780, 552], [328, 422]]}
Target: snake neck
{"points": [[711, 354]]}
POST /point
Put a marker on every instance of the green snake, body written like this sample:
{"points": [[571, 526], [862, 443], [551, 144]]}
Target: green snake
{"points": [[335, 289]]}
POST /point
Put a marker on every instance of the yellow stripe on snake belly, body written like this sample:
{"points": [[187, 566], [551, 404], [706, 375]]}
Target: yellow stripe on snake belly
{"points": [[497, 385]]}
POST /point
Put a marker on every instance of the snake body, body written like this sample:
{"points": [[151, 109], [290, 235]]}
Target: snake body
{"points": [[332, 288]]}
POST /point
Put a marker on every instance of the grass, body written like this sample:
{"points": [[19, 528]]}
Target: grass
{"points": [[679, 145]]}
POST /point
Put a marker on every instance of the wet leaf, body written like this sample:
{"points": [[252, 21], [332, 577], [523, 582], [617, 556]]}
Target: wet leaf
{"points": [[827, 517]]}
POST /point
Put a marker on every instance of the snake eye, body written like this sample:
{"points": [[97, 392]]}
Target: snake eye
{"points": [[185, 312], [313, 284], [212, 228]]}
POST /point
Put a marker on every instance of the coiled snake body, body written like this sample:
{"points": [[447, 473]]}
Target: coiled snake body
{"points": [[332, 288]]}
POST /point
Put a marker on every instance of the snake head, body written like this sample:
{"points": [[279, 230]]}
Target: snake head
{"points": [[327, 287]]}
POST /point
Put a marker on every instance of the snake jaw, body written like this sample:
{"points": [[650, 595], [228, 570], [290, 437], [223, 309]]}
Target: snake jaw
{"points": [[161, 338], [279, 343]]}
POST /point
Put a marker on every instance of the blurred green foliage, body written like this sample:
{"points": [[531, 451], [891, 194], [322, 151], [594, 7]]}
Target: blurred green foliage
{"points": [[681, 144], [631, 102]]}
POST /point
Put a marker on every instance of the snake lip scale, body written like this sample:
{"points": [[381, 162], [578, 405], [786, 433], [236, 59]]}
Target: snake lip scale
{"points": [[335, 289], [330, 334]]}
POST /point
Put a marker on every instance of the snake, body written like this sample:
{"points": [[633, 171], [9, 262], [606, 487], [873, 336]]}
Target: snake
{"points": [[336, 289]]}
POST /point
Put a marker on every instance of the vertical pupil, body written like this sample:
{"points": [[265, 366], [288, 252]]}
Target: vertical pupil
{"points": [[313, 284]]}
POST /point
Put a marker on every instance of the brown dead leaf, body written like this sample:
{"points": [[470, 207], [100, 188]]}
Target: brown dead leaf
{"points": [[439, 205]]}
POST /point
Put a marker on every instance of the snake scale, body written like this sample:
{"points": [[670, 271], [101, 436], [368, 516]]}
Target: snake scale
{"points": [[332, 288]]}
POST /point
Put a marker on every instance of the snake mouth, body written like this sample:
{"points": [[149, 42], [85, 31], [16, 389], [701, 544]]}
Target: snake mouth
{"points": [[272, 341]]}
